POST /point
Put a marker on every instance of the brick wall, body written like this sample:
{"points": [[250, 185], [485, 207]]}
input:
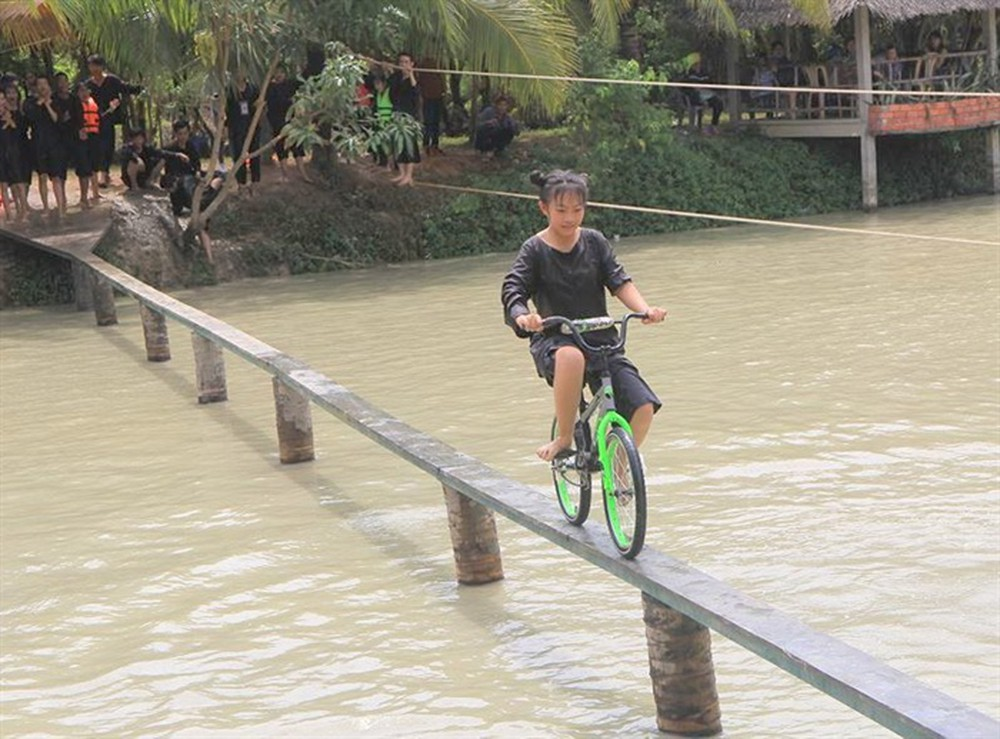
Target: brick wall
{"points": [[947, 115]]}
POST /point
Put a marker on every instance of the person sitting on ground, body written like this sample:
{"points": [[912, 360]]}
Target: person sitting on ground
{"points": [[279, 97], [564, 270], [699, 97], [180, 176], [142, 163], [495, 127]]}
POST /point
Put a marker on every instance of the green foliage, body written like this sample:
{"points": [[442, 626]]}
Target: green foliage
{"points": [[36, 278]]}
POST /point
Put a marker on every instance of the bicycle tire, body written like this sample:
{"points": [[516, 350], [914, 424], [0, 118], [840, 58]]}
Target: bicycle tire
{"points": [[572, 487], [625, 501]]}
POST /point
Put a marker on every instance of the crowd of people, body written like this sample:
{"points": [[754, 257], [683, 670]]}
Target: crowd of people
{"points": [[49, 126], [400, 89]]}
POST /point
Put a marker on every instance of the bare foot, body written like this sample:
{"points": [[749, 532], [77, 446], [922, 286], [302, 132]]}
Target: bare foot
{"points": [[84, 205], [405, 182], [548, 452]]}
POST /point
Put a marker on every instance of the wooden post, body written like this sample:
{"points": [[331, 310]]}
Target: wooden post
{"points": [[209, 370], [869, 152], [154, 330], [473, 540], [733, 78], [680, 665], [993, 68], [83, 288], [991, 42], [993, 146], [295, 429], [104, 301]]}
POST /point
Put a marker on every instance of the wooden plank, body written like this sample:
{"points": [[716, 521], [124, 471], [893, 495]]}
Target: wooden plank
{"points": [[869, 152], [870, 687], [826, 128]]}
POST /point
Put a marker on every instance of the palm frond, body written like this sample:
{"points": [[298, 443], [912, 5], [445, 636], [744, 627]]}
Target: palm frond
{"points": [[523, 37], [718, 14], [607, 14]]}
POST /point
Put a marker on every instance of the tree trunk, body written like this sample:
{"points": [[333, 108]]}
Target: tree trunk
{"points": [[630, 43]]}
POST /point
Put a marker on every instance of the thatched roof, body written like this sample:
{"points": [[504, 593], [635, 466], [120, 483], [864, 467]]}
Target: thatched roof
{"points": [[28, 22], [759, 13]]}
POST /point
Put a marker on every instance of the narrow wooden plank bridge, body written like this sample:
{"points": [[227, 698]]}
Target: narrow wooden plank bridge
{"points": [[680, 603]]}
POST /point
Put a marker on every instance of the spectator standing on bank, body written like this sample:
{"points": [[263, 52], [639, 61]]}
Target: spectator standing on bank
{"points": [[88, 147], [405, 95], [279, 96], [13, 170], [110, 93], [241, 102], [432, 93], [51, 158]]}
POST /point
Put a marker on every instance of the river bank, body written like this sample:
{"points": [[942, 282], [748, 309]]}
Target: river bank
{"points": [[353, 217]]}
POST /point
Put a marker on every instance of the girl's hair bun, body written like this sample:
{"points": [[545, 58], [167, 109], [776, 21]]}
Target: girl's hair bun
{"points": [[558, 182]]}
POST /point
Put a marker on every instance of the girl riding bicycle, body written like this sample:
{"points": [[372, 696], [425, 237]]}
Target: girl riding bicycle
{"points": [[564, 270]]}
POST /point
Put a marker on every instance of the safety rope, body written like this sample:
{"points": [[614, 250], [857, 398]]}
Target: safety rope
{"points": [[702, 85], [725, 219]]}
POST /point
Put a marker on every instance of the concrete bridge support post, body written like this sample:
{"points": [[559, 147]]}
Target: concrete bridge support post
{"points": [[154, 330], [473, 540], [209, 370], [83, 287], [295, 428], [104, 302], [680, 665]]}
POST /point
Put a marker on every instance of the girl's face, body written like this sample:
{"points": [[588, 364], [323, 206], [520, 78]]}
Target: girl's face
{"points": [[12, 97], [42, 88], [565, 213]]}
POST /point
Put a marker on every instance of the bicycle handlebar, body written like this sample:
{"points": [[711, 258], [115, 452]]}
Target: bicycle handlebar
{"points": [[576, 328]]}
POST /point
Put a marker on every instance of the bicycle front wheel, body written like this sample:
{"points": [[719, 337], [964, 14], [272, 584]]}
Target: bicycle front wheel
{"points": [[572, 487], [624, 493]]}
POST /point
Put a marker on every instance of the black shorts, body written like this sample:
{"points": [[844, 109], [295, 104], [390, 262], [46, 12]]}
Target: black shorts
{"points": [[88, 156], [51, 159], [631, 391]]}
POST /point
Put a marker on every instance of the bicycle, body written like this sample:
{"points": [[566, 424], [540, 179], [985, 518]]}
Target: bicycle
{"points": [[615, 457]]}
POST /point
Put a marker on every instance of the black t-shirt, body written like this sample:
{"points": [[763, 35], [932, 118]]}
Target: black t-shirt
{"points": [[405, 95], [279, 101], [70, 112], [239, 111], [568, 284], [111, 88], [44, 130], [174, 167]]}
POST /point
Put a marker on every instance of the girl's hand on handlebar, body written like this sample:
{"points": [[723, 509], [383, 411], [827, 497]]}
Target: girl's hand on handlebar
{"points": [[529, 322], [654, 315]]}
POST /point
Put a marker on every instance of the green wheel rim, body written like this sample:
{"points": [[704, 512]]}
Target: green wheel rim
{"points": [[624, 492]]}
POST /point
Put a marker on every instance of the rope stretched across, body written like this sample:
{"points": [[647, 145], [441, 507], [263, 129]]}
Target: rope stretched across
{"points": [[704, 85], [725, 219]]}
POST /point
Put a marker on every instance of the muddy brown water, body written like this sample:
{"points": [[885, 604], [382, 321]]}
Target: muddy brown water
{"points": [[829, 444]]}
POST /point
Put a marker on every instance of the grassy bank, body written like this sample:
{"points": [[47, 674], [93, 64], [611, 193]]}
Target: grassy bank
{"points": [[353, 217]]}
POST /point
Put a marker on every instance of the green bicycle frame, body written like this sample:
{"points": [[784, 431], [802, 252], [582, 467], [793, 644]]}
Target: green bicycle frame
{"points": [[604, 401]]}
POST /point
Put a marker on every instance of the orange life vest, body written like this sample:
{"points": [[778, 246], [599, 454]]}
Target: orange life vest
{"points": [[91, 116]]}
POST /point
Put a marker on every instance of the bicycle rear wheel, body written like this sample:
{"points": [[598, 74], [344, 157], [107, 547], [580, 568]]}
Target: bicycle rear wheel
{"points": [[572, 486], [624, 493]]}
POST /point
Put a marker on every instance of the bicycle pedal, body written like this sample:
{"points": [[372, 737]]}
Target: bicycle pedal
{"points": [[567, 453]]}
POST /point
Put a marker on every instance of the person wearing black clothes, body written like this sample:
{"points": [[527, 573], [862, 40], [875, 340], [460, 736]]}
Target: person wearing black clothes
{"points": [[241, 101], [698, 97], [142, 163], [566, 270], [109, 92], [180, 176], [13, 169], [279, 97], [51, 158], [405, 96], [495, 128]]}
